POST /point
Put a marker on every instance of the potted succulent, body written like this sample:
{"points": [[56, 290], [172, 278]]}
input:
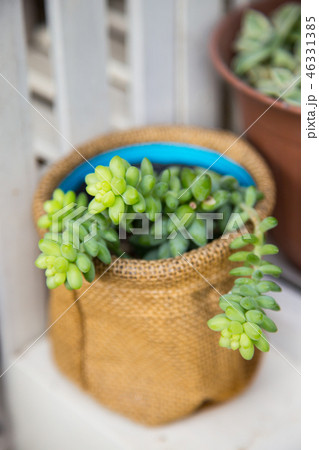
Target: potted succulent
{"points": [[130, 308], [257, 51]]}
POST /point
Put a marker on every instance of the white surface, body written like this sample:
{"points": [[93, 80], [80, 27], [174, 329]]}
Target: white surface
{"points": [[266, 416], [309, 216]]}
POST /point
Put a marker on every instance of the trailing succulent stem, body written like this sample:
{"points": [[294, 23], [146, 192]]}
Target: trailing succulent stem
{"points": [[83, 227], [244, 318]]}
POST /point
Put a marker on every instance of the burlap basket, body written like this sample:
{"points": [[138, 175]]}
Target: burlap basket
{"points": [[137, 338]]}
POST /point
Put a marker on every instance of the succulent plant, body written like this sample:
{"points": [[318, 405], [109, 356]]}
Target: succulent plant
{"points": [[244, 318], [173, 203], [69, 246], [268, 52]]}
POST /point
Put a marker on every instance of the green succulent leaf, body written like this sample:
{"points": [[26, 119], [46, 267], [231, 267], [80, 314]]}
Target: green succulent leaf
{"points": [[241, 271], [246, 61]]}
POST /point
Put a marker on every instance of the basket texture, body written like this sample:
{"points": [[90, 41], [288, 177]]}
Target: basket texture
{"points": [[137, 338]]}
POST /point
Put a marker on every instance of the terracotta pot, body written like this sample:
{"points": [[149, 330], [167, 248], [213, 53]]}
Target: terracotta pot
{"points": [[275, 129]]}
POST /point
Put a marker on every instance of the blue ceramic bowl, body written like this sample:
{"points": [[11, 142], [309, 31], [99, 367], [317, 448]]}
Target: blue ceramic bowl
{"points": [[165, 153]]}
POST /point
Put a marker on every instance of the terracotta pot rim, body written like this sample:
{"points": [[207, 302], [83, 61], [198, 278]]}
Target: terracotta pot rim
{"points": [[225, 71]]}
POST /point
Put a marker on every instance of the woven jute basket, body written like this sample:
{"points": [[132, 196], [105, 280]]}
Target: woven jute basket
{"points": [[136, 338]]}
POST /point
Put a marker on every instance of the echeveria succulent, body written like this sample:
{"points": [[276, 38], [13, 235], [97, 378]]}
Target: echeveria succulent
{"points": [[268, 52]]}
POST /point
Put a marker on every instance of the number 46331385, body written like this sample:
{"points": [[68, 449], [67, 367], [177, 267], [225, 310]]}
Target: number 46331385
{"points": [[310, 46]]}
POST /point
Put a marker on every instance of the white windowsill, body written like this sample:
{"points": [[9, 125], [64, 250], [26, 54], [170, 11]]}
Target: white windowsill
{"points": [[50, 413]]}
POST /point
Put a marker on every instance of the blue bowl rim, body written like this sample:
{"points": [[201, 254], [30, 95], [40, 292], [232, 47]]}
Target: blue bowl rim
{"points": [[161, 153]]}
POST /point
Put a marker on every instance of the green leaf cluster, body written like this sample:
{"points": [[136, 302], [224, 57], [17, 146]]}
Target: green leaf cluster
{"points": [[171, 200], [244, 320], [268, 52], [73, 239], [123, 192]]}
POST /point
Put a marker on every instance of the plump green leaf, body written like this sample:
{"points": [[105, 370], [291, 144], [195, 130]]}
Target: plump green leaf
{"points": [[219, 322], [235, 327], [268, 249], [232, 297], [256, 26], [253, 259], [283, 58], [241, 281], [178, 245], [250, 238], [235, 313], [146, 167], [248, 290], [267, 302], [266, 286], [268, 324], [285, 17], [250, 196], [247, 353], [201, 187], [271, 269], [248, 303], [197, 230], [74, 277], [246, 61], [293, 96], [262, 344], [237, 243], [241, 271], [224, 303], [252, 330], [239, 256], [254, 316], [228, 182], [164, 251], [268, 224]]}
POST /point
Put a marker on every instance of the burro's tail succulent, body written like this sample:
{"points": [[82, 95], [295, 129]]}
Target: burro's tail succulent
{"points": [[174, 205], [244, 318]]}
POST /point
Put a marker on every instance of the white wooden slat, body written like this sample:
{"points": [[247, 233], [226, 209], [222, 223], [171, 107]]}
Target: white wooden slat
{"points": [[79, 55], [119, 73], [117, 47], [151, 36], [181, 67], [119, 101], [198, 99], [117, 21], [41, 39], [46, 141], [172, 77], [22, 291], [41, 85], [40, 77]]}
